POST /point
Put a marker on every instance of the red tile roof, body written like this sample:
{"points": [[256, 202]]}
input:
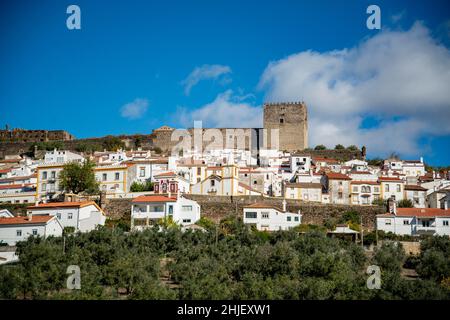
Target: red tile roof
{"points": [[153, 198], [387, 179], [320, 159], [415, 188], [419, 212], [5, 170], [263, 206], [36, 219], [15, 186], [365, 182], [337, 176], [166, 174]]}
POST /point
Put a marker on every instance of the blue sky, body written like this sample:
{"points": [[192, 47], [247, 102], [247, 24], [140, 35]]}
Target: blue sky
{"points": [[137, 65]]}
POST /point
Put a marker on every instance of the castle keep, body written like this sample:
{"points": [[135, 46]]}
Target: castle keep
{"points": [[285, 121], [291, 119]]}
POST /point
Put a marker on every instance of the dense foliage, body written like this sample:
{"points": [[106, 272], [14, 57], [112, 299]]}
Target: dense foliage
{"points": [[79, 177], [141, 187], [226, 262]]}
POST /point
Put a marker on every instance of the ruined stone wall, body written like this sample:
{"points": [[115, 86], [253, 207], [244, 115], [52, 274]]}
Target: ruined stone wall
{"points": [[7, 148], [213, 138]]}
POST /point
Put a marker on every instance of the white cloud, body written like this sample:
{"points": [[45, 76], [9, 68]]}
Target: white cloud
{"points": [[398, 16], [399, 77], [206, 72], [226, 111], [135, 109]]}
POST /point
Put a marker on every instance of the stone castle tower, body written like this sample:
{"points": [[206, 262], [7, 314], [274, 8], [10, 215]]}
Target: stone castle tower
{"points": [[291, 119]]}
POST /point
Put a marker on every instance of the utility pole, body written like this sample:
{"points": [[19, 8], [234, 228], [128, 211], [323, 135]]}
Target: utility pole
{"points": [[217, 234], [362, 232]]}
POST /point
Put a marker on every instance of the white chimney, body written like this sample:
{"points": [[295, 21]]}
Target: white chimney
{"points": [[284, 205]]}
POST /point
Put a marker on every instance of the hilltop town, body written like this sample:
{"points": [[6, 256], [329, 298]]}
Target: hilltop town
{"points": [[248, 184], [160, 183]]}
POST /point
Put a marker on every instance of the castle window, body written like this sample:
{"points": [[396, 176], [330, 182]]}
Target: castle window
{"points": [[281, 120]]}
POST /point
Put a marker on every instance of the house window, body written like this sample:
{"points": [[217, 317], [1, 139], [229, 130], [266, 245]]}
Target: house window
{"points": [[288, 218], [387, 222], [199, 171], [58, 215], [186, 220], [104, 177], [186, 208], [251, 215], [445, 223], [70, 215], [170, 210], [387, 188], [117, 176], [44, 187], [355, 188], [376, 189], [199, 179], [213, 183], [142, 172], [34, 232], [44, 175], [398, 188], [296, 219], [18, 233], [406, 222], [264, 215], [340, 196], [53, 174]]}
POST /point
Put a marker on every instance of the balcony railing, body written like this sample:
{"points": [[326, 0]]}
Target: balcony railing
{"points": [[421, 228]]}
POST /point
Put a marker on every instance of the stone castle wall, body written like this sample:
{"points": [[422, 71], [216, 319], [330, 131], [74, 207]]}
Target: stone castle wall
{"points": [[291, 120]]}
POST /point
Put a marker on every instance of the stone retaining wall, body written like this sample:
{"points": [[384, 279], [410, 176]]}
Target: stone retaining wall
{"points": [[217, 207]]}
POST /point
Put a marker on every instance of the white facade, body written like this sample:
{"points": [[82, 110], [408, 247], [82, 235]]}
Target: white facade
{"points": [[15, 229], [415, 221], [268, 218], [392, 187], [61, 156], [147, 210], [417, 195], [83, 216], [300, 163]]}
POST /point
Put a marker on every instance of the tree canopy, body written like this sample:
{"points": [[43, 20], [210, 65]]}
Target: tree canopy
{"points": [[78, 177], [228, 262]]}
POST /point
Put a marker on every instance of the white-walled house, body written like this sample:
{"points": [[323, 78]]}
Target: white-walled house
{"points": [[15, 229], [17, 193], [62, 156], [365, 192], [415, 221], [83, 216], [417, 195], [300, 163], [266, 217], [146, 210], [391, 187], [5, 213], [304, 191]]}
